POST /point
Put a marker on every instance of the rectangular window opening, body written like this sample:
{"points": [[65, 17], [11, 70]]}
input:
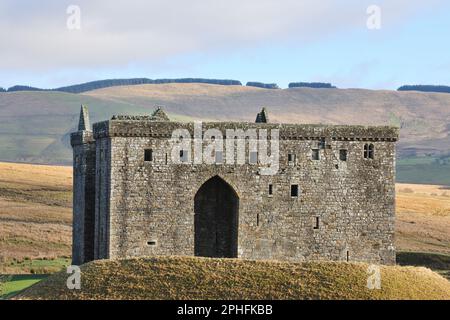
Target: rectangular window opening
{"points": [[294, 190], [315, 154], [270, 189], [257, 219], [348, 256], [148, 155], [151, 243], [291, 158], [343, 155]]}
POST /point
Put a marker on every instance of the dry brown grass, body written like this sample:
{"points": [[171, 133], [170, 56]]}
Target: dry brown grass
{"points": [[35, 213], [203, 278], [423, 218]]}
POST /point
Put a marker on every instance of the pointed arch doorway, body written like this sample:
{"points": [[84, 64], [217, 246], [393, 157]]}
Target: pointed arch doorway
{"points": [[216, 207]]}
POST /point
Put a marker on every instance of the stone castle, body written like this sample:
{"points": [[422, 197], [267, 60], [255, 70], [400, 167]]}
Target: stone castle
{"points": [[332, 197]]}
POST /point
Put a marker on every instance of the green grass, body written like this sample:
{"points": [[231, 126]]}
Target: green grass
{"points": [[39, 266], [424, 170], [202, 278], [11, 285]]}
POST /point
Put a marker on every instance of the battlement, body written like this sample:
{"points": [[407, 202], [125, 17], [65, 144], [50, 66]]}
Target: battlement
{"points": [[143, 127]]}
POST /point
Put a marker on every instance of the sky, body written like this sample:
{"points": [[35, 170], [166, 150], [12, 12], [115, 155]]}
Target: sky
{"points": [[376, 44]]}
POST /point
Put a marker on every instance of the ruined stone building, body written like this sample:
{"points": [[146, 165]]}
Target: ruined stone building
{"points": [[332, 197]]}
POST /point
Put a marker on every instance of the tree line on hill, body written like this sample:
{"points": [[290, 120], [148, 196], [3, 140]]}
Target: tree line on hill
{"points": [[88, 86], [262, 85], [425, 88], [99, 84], [315, 85]]}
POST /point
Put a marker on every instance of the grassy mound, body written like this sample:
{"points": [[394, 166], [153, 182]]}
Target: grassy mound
{"points": [[202, 278]]}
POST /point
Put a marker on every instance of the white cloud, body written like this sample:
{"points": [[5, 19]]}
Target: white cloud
{"points": [[117, 33]]}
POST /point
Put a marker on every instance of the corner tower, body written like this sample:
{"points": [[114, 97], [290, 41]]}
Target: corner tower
{"points": [[83, 145]]}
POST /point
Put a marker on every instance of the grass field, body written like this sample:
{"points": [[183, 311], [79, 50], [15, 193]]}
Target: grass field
{"points": [[423, 218], [36, 215], [202, 278], [11, 285]]}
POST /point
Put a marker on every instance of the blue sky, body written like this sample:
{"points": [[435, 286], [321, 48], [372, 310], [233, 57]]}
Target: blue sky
{"points": [[266, 40]]}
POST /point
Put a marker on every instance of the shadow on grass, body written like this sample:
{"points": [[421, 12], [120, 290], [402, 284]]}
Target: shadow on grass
{"points": [[434, 261], [10, 285]]}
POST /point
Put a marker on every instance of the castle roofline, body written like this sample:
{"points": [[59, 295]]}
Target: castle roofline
{"points": [[146, 127]]}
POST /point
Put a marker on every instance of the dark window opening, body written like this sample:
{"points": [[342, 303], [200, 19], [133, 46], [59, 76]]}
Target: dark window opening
{"points": [[316, 226], [294, 190], [291, 158], [315, 154], [253, 157], [257, 219], [369, 151], [343, 155], [151, 243], [348, 256], [148, 155], [270, 189], [166, 158]]}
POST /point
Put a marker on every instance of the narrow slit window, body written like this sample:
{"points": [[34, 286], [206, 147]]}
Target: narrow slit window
{"points": [[343, 155], [348, 256], [294, 190], [315, 154], [151, 243], [257, 219], [148, 155], [366, 151], [270, 189], [371, 151], [316, 224]]}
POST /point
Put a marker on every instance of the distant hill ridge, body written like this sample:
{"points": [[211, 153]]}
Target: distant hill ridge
{"points": [[100, 84]]}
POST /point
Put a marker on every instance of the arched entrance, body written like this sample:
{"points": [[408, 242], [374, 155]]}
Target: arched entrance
{"points": [[216, 207]]}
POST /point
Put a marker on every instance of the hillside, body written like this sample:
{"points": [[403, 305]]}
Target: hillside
{"points": [[201, 278], [35, 218], [35, 126]]}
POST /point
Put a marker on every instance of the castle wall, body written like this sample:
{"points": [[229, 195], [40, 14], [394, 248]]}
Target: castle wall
{"points": [[149, 207], [83, 197], [103, 197]]}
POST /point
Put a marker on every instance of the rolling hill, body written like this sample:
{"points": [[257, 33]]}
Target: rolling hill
{"points": [[35, 126], [202, 278]]}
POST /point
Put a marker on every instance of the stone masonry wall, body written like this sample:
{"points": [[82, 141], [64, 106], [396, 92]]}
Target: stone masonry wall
{"points": [[147, 208]]}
